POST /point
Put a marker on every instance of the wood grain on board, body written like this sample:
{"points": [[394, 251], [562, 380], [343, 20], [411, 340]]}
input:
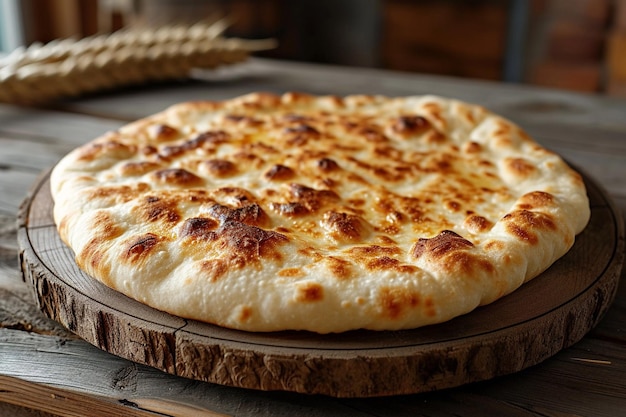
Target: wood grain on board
{"points": [[546, 315], [585, 379]]}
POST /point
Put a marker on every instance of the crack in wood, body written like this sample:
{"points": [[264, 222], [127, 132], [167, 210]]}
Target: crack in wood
{"points": [[134, 405], [125, 379], [20, 168], [102, 330], [171, 342], [128, 403]]}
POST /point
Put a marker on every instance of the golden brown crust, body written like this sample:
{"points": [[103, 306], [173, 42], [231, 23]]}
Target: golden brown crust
{"points": [[270, 212]]}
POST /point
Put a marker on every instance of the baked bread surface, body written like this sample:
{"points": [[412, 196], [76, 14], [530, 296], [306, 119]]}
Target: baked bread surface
{"points": [[319, 213]]}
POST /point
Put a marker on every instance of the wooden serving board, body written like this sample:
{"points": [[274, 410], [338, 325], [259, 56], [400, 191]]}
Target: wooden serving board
{"points": [[550, 313]]}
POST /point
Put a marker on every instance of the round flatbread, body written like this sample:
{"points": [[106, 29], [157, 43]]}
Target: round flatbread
{"points": [[319, 213]]}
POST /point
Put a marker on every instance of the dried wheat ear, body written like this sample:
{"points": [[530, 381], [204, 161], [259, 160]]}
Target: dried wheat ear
{"points": [[69, 67]]}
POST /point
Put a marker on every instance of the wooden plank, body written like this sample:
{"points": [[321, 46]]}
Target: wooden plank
{"points": [[39, 125], [75, 370], [14, 187], [583, 380], [18, 392], [30, 155], [522, 103], [528, 328], [7, 409], [583, 369]]}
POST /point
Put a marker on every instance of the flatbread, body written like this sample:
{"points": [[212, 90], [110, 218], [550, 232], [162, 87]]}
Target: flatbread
{"points": [[320, 213]]}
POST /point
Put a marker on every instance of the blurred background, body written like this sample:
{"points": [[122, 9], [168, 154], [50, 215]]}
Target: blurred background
{"points": [[577, 45]]}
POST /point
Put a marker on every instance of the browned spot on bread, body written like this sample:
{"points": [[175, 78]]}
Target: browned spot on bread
{"points": [[532, 219], [300, 134], [252, 214], [115, 194], [327, 165], [171, 151], [383, 172], [91, 258], [311, 198], [291, 97], [311, 252], [310, 292], [327, 182], [64, 224], [466, 263], [385, 240], [394, 217], [369, 132], [386, 207], [440, 245], [238, 196], [210, 137], [213, 269], [154, 209], [385, 263], [340, 267], [93, 253], [435, 137], [577, 178], [522, 234], [372, 134], [452, 205], [494, 245], [521, 223], [344, 227], [178, 177], [100, 150], [535, 199], [472, 147], [520, 167], [410, 125], [476, 223], [502, 128], [396, 302], [302, 128], [410, 207], [148, 150], [248, 242], [389, 153], [375, 257], [468, 115], [243, 120], [361, 252], [429, 307], [245, 314], [289, 209], [279, 173], [391, 229], [140, 246], [163, 132], [219, 167], [435, 111], [291, 273], [131, 169], [248, 159], [197, 227], [194, 196], [503, 141], [294, 117]]}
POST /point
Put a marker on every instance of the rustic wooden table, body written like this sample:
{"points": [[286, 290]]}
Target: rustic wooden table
{"points": [[45, 369]]}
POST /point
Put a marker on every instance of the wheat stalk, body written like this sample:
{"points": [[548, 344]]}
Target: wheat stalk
{"points": [[69, 67]]}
